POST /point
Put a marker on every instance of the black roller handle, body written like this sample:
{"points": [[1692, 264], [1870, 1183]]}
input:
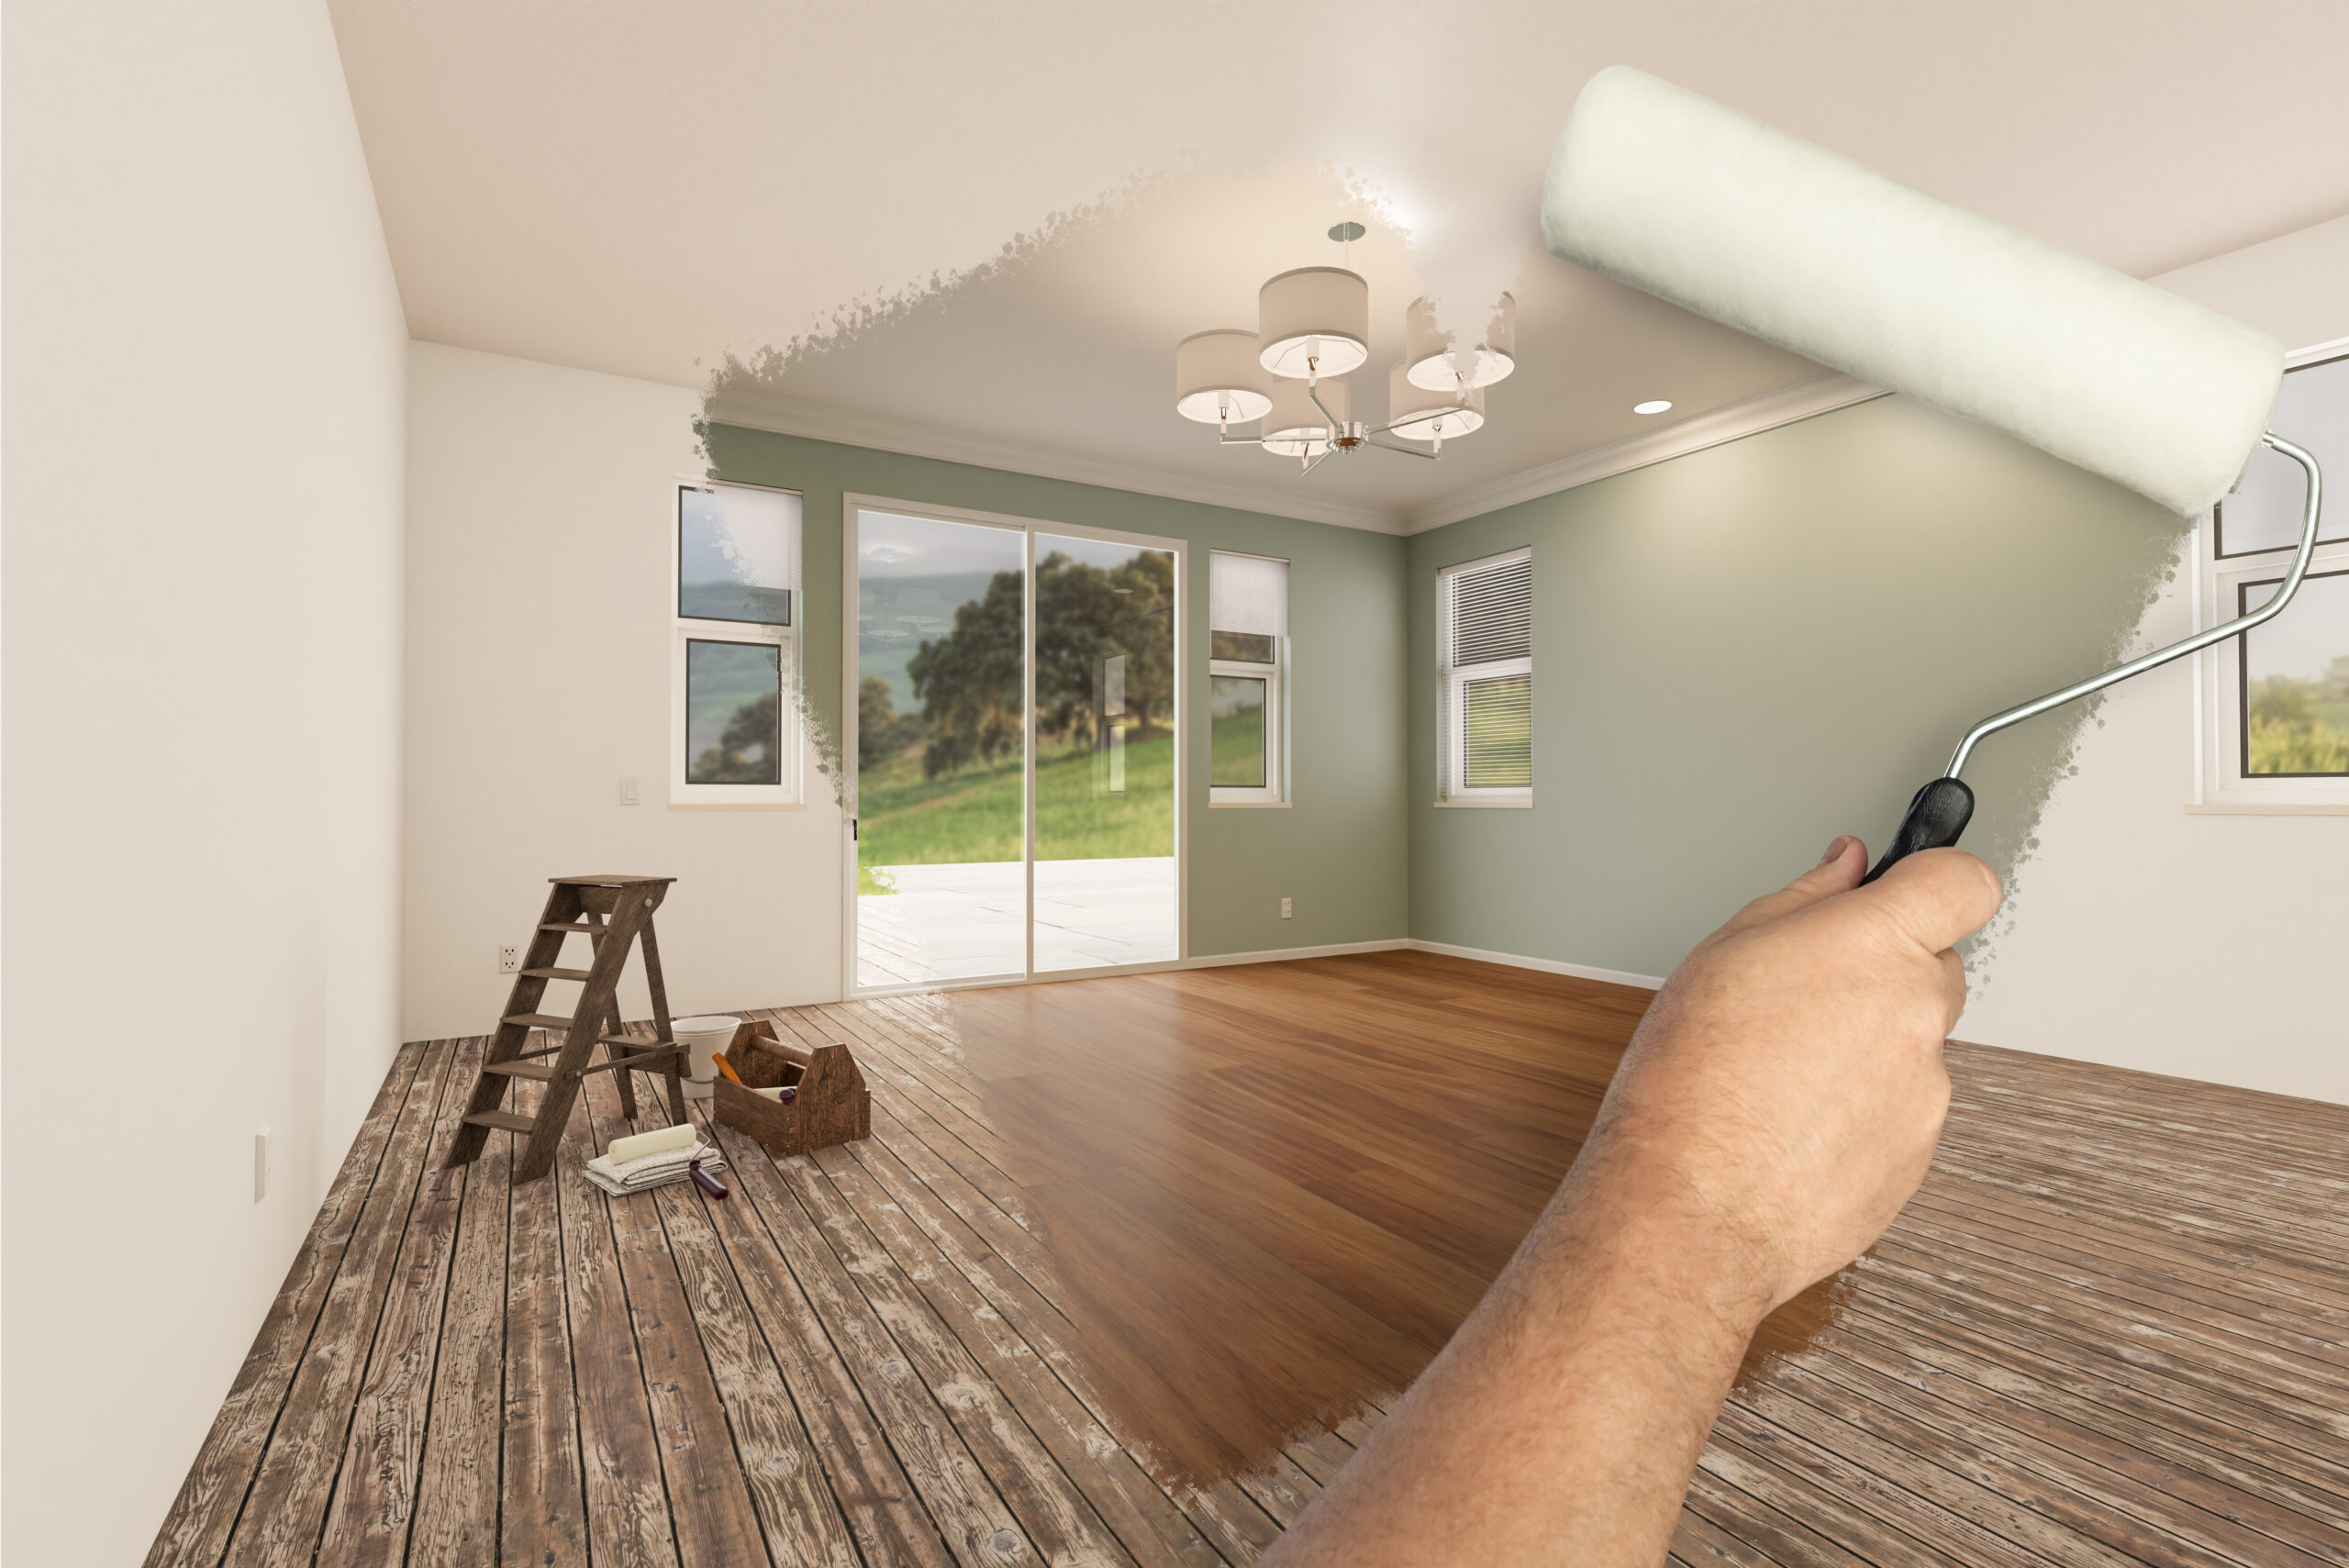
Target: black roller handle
{"points": [[1936, 818]]}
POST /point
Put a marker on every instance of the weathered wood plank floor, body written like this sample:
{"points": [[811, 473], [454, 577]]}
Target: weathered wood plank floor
{"points": [[2114, 1328]]}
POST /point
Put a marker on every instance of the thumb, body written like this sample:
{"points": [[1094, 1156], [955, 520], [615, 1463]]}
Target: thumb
{"points": [[1838, 871], [1936, 897]]}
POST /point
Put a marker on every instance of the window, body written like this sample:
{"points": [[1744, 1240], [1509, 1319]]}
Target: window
{"points": [[1247, 667], [2275, 710], [1485, 635], [734, 735]]}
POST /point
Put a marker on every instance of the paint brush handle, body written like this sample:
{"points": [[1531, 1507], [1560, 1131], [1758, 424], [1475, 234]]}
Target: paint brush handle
{"points": [[1936, 818]]}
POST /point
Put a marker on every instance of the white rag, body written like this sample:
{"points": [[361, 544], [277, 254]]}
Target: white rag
{"points": [[652, 1170]]}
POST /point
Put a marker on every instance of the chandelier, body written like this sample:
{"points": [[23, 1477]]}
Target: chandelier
{"points": [[1288, 377]]}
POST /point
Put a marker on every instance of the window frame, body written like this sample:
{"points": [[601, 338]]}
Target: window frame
{"points": [[2221, 739], [1274, 791], [1452, 681], [683, 794]]}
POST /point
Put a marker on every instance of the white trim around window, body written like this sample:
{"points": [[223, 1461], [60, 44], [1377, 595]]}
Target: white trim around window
{"points": [[743, 653], [1485, 680], [1248, 618], [2263, 514]]}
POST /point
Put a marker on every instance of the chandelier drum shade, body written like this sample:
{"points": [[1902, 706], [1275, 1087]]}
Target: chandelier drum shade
{"points": [[1430, 362], [1314, 321], [1417, 414], [1217, 380], [1312, 328], [1297, 426]]}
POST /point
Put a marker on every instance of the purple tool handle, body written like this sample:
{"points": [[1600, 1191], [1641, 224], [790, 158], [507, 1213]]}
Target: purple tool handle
{"points": [[704, 1180]]}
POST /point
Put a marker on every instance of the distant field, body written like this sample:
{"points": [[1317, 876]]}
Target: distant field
{"points": [[976, 814]]}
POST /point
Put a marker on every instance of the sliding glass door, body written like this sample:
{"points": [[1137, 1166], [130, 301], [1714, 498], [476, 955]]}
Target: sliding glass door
{"points": [[1103, 658], [1013, 734]]}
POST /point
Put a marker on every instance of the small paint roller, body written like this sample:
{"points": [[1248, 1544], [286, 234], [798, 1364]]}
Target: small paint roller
{"points": [[1673, 194], [637, 1145]]}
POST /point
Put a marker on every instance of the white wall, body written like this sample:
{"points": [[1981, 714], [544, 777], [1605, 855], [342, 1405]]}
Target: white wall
{"points": [[2202, 946], [203, 424], [540, 502]]}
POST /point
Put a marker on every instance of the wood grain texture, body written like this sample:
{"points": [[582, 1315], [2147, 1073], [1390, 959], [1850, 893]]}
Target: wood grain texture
{"points": [[1128, 1269]]}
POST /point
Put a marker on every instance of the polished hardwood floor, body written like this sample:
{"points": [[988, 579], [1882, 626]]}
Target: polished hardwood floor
{"points": [[1130, 1265]]}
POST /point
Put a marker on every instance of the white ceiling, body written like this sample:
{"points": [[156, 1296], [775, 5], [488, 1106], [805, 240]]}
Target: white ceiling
{"points": [[982, 228]]}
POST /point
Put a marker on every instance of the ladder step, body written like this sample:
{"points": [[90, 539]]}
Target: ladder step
{"points": [[507, 1119], [644, 1060], [556, 974], [537, 1021], [539, 1070], [629, 1039], [571, 926]]}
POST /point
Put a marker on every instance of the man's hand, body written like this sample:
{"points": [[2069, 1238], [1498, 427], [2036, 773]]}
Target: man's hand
{"points": [[1779, 1105], [1788, 1082]]}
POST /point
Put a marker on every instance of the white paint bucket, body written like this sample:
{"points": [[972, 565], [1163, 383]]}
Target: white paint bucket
{"points": [[705, 1038]]}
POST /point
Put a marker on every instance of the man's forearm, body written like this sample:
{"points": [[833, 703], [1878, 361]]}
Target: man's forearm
{"points": [[1562, 1422]]}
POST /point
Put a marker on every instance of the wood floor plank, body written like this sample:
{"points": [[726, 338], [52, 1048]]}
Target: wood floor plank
{"points": [[885, 1514], [196, 1528], [2183, 1437], [972, 1519], [456, 1522], [543, 1501], [1146, 1523], [281, 1518], [2093, 1496], [620, 1449], [1055, 1515], [706, 1472], [375, 1493], [1103, 1223]]}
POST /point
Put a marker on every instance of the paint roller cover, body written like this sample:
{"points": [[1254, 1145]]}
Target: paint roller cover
{"points": [[1671, 193], [636, 1146]]}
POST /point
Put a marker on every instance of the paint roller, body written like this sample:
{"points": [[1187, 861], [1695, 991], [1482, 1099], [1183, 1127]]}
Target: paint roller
{"points": [[1674, 193]]}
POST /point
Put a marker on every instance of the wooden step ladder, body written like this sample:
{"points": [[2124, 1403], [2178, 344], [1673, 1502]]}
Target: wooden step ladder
{"points": [[614, 913]]}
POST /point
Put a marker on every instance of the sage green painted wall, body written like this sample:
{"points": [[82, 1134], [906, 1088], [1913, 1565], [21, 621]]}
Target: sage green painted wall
{"points": [[1743, 652], [1339, 851]]}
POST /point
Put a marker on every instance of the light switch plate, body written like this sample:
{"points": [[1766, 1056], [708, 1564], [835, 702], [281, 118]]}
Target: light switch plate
{"points": [[1283, 908], [628, 789]]}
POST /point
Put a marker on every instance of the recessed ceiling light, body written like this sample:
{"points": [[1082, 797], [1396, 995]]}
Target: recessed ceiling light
{"points": [[1653, 405]]}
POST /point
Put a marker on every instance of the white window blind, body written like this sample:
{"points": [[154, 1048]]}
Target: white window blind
{"points": [[1247, 594], [1246, 678], [1486, 608]]}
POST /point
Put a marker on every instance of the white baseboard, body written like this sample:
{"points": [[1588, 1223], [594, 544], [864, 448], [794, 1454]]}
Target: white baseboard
{"points": [[1412, 944], [1283, 955], [1546, 965]]}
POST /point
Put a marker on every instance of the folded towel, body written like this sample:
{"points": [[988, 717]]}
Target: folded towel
{"points": [[652, 1170]]}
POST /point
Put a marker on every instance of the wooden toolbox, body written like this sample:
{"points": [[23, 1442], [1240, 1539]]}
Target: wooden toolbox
{"points": [[832, 1106]]}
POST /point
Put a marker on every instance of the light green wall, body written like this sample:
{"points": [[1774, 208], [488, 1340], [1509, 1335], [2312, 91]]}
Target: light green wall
{"points": [[1339, 851], [1742, 653]]}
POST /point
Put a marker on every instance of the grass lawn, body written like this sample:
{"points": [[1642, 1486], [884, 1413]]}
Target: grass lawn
{"points": [[975, 814]]}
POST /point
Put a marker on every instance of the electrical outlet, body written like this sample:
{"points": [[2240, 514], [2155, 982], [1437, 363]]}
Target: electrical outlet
{"points": [[628, 789], [1283, 908], [260, 1164], [509, 958]]}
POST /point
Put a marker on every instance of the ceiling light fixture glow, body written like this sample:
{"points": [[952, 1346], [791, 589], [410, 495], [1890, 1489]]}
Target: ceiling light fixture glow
{"points": [[1653, 405]]}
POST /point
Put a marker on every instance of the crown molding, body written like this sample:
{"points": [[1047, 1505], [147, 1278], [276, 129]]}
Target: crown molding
{"points": [[815, 421], [1766, 411]]}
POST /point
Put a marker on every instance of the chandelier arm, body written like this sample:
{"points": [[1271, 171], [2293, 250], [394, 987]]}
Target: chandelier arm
{"points": [[1407, 452], [1337, 425], [1316, 463], [1242, 442]]}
